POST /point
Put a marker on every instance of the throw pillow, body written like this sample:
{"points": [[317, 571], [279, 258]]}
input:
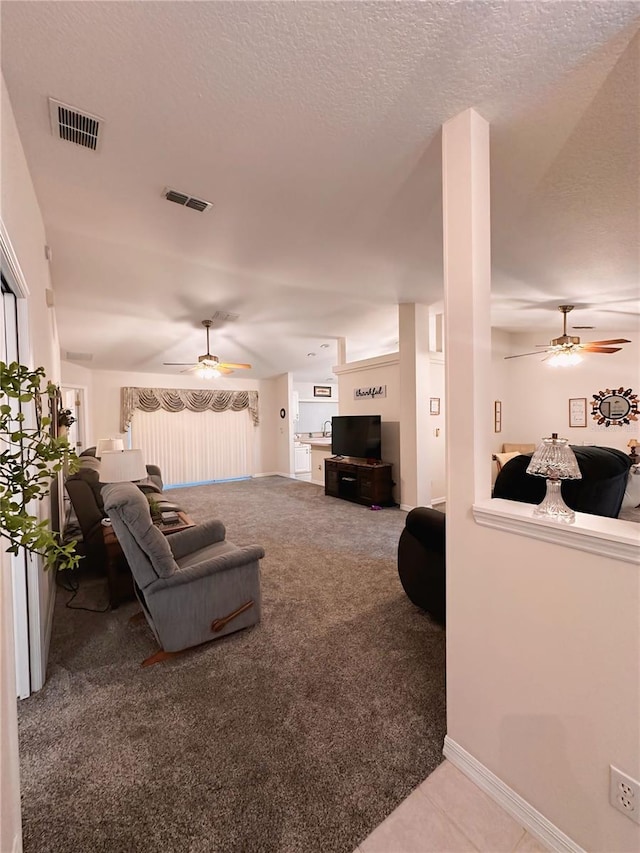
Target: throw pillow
{"points": [[631, 497], [503, 458]]}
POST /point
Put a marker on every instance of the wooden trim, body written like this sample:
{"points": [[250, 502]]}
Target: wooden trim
{"points": [[159, 657], [218, 624]]}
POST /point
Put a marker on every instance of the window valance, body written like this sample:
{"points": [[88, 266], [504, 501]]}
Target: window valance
{"points": [[177, 399]]}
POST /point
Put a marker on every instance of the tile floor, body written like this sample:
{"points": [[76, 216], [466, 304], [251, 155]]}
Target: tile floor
{"points": [[447, 813]]}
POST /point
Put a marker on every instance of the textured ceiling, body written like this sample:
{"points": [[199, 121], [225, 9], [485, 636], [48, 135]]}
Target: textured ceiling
{"points": [[314, 128]]}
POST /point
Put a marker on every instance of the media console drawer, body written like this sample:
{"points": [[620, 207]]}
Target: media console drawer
{"points": [[359, 481]]}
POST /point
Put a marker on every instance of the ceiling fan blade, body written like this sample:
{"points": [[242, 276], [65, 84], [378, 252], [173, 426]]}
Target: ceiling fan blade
{"points": [[605, 343], [207, 360], [601, 349], [520, 355]]}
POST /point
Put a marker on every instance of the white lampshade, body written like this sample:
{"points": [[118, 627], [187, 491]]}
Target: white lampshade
{"points": [[105, 444], [122, 466]]}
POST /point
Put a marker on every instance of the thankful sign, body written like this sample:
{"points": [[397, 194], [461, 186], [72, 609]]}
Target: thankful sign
{"points": [[370, 393]]}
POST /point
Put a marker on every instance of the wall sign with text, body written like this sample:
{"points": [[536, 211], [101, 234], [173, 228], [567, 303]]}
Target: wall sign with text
{"points": [[370, 393]]}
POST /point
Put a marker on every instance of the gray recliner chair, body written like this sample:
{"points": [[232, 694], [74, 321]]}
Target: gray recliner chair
{"points": [[193, 586]]}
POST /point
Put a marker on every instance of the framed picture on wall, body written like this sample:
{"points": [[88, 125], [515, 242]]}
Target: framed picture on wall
{"points": [[577, 411], [322, 390], [497, 416], [434, 405]]}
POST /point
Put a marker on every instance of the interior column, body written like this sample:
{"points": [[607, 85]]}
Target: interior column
{"points": [[415, 478], [467, 297]]}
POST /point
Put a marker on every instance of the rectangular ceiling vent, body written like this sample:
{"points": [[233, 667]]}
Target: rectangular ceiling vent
{"points": [[77, 356], [225, 317], [75, 126], [186, 200]]}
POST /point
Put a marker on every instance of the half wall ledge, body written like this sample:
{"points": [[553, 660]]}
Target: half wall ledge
{"points": [[608, 537]]}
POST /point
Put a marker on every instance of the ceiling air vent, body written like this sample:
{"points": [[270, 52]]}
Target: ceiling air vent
{"points": [[75, 126], [77, 356], [224, 317], [186, 200]]}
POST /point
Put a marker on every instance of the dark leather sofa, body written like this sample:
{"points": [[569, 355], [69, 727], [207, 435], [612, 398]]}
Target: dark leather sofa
{"points": [[421, 549], [421, 560], [604, 470]]}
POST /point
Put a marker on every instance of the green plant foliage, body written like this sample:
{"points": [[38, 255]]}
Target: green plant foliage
{"points": [[29, 459], [156, 514]]}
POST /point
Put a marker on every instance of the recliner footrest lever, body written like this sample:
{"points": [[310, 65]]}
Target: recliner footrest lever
{"points": [[219, 624]]}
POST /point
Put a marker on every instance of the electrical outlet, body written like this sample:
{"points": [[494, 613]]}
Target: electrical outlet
{"points": [[624, 793]]}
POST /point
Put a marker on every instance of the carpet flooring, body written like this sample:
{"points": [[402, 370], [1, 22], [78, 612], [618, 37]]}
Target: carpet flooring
{"points": [[300, 734]]}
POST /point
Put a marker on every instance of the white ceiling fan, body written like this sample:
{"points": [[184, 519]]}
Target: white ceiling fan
{"points": [[208, 366], [567, 349]]}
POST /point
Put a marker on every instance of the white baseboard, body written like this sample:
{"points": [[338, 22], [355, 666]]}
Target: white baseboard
{"points": [[527, 816], [272, 474], [409, 507]]}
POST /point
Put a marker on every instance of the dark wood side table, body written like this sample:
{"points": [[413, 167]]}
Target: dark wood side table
{"points": [[119, 579]]}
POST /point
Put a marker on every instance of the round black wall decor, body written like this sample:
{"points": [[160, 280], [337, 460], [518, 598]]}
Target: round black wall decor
{"points": [[614, 407], [283, 413]]}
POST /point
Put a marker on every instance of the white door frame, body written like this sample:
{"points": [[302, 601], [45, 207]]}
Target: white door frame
{"points": [[80, 411], [25, 571]]}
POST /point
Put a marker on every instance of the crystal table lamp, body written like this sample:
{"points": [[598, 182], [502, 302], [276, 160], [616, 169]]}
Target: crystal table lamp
{"points": [[556, 461], [122, 466]]}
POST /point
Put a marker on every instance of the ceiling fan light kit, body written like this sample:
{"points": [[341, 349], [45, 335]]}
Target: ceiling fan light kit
{"points": [[564, 358], [566, 351], [208, 366], [204, 371]]}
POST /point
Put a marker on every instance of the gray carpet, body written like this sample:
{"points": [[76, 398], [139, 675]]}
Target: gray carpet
{"points": [[301, 734]]}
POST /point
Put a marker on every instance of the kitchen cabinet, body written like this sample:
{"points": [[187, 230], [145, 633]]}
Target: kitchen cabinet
{"points": [[302, 458]]}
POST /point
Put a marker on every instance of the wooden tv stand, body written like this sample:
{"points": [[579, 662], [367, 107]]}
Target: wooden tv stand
{"points": [[357, 480]]}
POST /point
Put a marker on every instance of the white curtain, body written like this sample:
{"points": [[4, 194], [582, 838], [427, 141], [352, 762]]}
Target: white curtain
{"points": [[196, 447]]}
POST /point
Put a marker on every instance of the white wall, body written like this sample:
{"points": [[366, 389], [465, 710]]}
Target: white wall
{"points": [[24, 226], [75, 376], [501, 389], [281, 431], [384, 370], [537, 401], [23, 222], [543, 682], [414, 417], [437, 460]]}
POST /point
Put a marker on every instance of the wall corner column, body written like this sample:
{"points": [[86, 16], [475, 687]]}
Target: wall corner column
{"points": [[415, 477], [467, 296]]}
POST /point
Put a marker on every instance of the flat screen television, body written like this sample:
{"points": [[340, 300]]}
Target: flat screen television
{"points": [[356, 435]]}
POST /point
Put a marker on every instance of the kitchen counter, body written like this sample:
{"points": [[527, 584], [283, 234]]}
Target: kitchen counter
{"points": [[319, 441]]}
